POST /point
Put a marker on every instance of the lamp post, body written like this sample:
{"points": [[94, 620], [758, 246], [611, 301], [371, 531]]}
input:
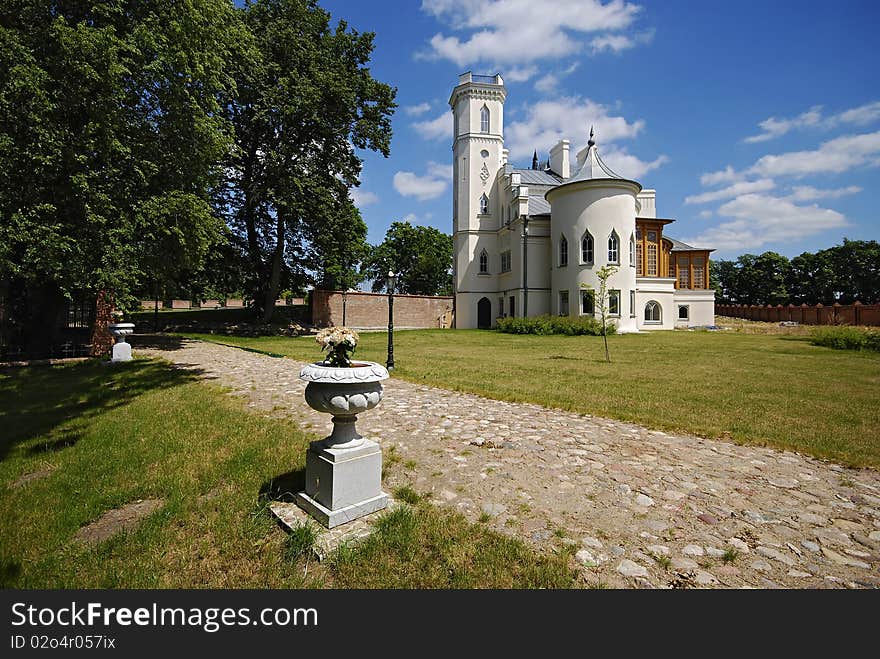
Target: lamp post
{"points": [[390, 280], [525, 266]]}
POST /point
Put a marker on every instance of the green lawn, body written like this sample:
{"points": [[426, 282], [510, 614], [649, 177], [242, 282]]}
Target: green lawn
{"points": [[100, 437], [773, 390]]}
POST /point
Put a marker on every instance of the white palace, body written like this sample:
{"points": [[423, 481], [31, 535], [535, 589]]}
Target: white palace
{"points": [[526, 240]]}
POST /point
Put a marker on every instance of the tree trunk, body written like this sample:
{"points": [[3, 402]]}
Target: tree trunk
{"points": [[275, 277]]}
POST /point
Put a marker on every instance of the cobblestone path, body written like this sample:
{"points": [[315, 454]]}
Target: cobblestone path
{"points": [[641, 508]]}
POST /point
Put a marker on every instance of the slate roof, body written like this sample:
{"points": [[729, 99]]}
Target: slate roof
{"points": [[534, 176], [678, 246], [538, 205]]}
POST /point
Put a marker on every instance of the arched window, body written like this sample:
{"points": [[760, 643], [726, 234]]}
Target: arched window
{"points": [[613, 248], [484, 120], [632, 251], [484, 205], [587, 248], [563, 251], [484, 262], [652, 312]]}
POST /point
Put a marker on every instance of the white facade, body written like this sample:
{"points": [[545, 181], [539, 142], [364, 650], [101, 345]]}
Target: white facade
{"points": [[530, 242]]}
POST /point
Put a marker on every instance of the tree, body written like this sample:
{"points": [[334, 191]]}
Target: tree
{"points": [[421, 256], [811, 279], [303, 105], [761, 279], [339, 244], [600, 299], [856, 267], [723, 275], [108, 109]]}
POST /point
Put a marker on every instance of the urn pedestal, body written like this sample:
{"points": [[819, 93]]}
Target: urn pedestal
{"points": [[121, 349], [343, 470]]}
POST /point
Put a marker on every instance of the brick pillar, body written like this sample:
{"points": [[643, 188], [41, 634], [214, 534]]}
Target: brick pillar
{"points": [[102, 339]]}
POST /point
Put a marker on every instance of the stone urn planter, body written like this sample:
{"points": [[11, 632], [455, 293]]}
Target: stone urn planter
{"points": [[121, 349], [343, 470]]}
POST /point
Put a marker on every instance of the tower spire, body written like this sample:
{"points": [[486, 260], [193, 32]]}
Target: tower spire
{"points": [[591, 141], [535, 160]]}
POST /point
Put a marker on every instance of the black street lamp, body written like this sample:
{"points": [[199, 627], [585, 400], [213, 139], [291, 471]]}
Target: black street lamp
{"points": [[390, 280]]}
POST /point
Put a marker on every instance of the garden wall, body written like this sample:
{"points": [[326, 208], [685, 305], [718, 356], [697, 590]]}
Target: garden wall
{"points": [[370, 310], [836, 314]]}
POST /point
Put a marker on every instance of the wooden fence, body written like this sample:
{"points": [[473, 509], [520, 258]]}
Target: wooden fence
{"points": [[836, 314]]}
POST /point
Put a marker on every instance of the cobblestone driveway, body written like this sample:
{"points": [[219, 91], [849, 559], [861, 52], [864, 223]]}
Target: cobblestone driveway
{"points": [[642, 508]]}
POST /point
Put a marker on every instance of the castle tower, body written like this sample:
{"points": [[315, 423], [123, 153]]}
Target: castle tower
{"points": [[477, 104], [594, 225]]}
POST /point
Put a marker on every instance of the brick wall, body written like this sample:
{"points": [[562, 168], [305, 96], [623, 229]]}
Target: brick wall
{"points": [[836, 314], [370, 310]]}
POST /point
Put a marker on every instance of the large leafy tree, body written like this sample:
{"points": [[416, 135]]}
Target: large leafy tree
{"points": [[304, 106], [856, 267], [420, 256], [811, 278], [111, 137], [842, 273]]}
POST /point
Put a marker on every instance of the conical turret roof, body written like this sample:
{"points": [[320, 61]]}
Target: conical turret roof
{"points": [[594, 167]]}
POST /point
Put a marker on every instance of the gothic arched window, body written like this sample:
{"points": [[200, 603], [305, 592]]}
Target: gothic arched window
{"points": [[484, 205], [587, 248], [613, 248], [484, 262], [563, 251], [484, 120]]}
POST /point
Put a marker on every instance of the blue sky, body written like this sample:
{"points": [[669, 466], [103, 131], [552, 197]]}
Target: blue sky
{"points": [[757, 122]]}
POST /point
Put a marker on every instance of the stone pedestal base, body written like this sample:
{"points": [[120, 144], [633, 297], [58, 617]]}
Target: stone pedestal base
{"points": [[342, 484], [121, 352]]}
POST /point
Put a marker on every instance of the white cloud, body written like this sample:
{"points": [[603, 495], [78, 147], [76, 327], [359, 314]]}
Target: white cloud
{"points": [[439, 128], [735, 190], [363, 198], [422, 188], [812, 118], [620, 42], [628, 165], [706, 214], [726, 175], [549, 82], [417, 110], [860, 116], [832, 157], [520, 74], [522, 31], [808, 193], [441, 171], [412, 218], [546, 122], [758, 219], [774, 127]]}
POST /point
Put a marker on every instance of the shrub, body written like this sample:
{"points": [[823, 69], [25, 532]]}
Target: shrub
{"points": [[544, 325], [846, 338]]}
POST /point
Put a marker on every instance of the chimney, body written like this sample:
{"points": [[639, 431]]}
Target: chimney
{"points": [[559, 160]]}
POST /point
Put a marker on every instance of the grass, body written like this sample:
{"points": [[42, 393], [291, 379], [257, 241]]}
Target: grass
{"points": [[766, 389], [425, 547], [101, 437]]}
